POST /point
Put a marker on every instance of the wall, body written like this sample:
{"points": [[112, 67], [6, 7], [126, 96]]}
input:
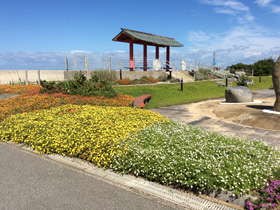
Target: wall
{"points": [[138, 74], [16, 76]]}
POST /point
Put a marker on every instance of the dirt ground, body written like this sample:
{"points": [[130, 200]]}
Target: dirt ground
{"points": [[245, 114]]}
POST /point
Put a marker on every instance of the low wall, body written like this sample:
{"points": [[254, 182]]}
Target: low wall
{"points": [[138, 74], [16, 76]]}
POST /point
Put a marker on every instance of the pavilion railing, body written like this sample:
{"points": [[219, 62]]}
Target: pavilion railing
{"points": [[87, 63]]}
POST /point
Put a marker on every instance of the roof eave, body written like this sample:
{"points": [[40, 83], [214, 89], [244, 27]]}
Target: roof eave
{"points": [[151, 43]]}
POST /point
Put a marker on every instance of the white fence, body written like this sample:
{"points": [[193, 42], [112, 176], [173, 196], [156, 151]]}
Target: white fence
{"points": [[87, 63], [34, 76]]}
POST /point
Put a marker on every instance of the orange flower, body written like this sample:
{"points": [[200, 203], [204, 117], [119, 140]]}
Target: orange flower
{"points": [[31, 100]]}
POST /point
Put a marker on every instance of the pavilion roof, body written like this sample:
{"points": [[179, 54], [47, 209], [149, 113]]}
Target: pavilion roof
{"points": [[138, 37]]}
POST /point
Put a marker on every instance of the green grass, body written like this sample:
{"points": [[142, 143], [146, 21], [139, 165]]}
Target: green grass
{"points": [[171, 94], [266, 82]]}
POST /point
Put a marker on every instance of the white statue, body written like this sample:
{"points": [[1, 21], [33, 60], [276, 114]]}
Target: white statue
{"points": [[183, 65], [156, 65]]}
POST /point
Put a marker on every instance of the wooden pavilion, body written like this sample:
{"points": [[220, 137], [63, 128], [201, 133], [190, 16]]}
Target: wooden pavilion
{"points": [[137, 37]]}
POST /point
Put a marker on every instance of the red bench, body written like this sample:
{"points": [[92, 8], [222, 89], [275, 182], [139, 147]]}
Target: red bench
{"points": [[141, 101]]}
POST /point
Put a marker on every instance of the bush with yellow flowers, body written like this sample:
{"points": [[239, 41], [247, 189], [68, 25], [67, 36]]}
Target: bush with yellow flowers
{"points": [[32, 103], [31, 100], [93, 133]]}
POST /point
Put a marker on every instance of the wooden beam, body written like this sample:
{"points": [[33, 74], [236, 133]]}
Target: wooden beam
{"points": [[145, 57], [131, 62], [167, 58], [157, 52]]}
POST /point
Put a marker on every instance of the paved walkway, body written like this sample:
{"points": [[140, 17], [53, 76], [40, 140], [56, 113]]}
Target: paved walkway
{"points": [[187, 114], [33, 182]]}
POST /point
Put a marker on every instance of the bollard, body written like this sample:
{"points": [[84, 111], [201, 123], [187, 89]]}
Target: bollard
{"points": [[120, 69], [135, 103], [182, 84], [169, 76], [260, 78]]}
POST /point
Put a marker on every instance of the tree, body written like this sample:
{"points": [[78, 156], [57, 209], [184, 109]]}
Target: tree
{"points": [[237, 67], [263, 67]]}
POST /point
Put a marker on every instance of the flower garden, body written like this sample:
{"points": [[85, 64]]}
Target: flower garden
{"points": [[112, 134]]}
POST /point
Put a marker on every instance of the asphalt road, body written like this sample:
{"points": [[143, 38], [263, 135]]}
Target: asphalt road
{"points": [[30, 181]]}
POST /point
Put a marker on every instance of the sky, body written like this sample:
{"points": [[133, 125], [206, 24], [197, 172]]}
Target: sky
{"points": [[39, 34]]}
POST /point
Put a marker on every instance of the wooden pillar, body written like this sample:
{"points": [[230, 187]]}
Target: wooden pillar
{"points": [[131, 63], [145, 57], [157, 52], [167, 57]]}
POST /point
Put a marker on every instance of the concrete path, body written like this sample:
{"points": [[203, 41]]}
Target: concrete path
{"points": [[33, 182], [188, 114], [4, 96]]}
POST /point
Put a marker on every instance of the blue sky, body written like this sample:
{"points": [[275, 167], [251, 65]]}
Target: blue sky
{"points": [[38, 34]]}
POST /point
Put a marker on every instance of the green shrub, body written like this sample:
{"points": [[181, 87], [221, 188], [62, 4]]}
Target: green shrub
{"points": [[81, 86], [203, 71], [200, 76], [162, 79], [197, 159], [243, 80], [48, 87], [175, 79]]}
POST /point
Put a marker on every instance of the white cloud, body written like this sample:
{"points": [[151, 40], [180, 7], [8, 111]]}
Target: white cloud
{"points": [[268, 4], [77, 51], [225, 11], [56, 60], [49, 60], [246, 42], [231, 4], [233, 8], [227, 53], [239, 44], [251, 54], [275, 9], [199, 37], [263, 3]]}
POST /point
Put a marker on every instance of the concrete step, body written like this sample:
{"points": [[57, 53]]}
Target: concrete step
{"points": [[184, 75]]}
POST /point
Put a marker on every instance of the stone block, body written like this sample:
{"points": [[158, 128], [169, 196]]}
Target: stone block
{"points": [[276, 84], [239, 94]]}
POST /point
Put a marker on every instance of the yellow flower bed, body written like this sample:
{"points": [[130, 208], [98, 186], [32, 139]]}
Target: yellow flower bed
{"points": [[93, 133]]}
